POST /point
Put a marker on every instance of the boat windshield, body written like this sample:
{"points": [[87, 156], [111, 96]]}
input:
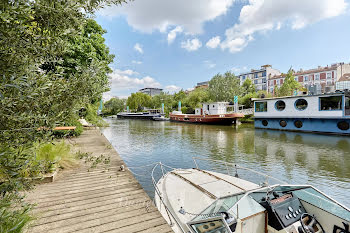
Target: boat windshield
{"points": [[314, 197], [219, 206]]}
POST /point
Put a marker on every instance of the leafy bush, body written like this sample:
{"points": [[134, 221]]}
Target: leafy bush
{"points": [[50, 156], [92, 117], [14, 215]]}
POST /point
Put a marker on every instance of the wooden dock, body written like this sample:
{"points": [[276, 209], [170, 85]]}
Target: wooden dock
{"points": [[101, 199]]}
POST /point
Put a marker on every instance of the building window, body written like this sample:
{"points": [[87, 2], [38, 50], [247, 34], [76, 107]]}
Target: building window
{"points": [[264, 80], [301, 104], [280, 105], [296, 79], [317, 76], [331, 103], [255, 81], [329, 75], [306, 79], [278, 82], [256, 75], [261, 106], [264, 74]]}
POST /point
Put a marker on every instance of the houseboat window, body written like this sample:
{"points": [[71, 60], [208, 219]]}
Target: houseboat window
{"points": [[298, 124], [347, 106], [283, 123], [260, 106], [331, 103], [301, 104], [265, 122], [280, 105], [343, 125]]}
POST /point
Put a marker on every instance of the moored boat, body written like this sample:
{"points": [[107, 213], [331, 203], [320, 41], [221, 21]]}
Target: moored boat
{"points": [[140, 115], [210, 113], [325, 113], [202, 201]]}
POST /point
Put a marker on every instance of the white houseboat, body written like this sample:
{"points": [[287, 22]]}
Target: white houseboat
{"points": [[326, 113]]}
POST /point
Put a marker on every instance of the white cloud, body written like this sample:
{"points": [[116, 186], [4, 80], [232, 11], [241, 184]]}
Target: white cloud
{"points": [[150, 15], [173, 33], [124, 82], [136, 62], [237, 70], [190, 89], [172, 88], [209, 64], [213, 42], [267, 15], [126, 72], [191, 45], [138, 48]]}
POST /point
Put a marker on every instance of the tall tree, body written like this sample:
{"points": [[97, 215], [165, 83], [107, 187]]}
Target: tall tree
{"points": [[224, 87], [114, 106], [137, 101], [289, 85], [248, 87]]}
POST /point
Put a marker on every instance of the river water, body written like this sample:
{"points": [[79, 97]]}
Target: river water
{"points": [[297, 158]]}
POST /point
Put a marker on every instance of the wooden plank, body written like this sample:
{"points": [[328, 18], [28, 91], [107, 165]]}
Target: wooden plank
{"points": [[95, 200]]}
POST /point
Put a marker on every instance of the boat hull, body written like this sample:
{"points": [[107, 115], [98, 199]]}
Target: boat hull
{"points": [[139, 117], [222, 119], [338, 126]]}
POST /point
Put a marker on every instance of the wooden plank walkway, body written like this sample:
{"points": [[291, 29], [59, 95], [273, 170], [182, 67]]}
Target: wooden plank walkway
{"points": [[102, 199]]}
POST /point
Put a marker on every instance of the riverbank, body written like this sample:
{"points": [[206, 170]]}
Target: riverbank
{"points": [[96, 196]]}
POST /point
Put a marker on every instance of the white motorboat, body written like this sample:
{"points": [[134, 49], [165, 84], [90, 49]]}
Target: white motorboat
{"points": [[202, 201]]}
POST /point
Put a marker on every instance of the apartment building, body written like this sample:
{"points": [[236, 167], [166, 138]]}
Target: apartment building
{"points": [[320, 76], [151, 91], [260, 76]]}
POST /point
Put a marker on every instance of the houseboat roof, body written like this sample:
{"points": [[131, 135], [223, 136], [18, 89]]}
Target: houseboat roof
{"points": [[298, 96], [216, 103]]}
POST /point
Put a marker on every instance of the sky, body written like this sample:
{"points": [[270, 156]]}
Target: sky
{"points": [[174, 44]]}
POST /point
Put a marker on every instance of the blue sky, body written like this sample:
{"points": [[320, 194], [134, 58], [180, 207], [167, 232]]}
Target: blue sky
{"points": [[283, 33]]}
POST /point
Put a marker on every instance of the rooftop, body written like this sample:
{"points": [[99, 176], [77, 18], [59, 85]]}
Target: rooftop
{"points": [[297, 96]]}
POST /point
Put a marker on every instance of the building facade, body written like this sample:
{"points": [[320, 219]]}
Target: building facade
{"points": [[202, 85], [260, 77], [151, 91], [320, 76]]}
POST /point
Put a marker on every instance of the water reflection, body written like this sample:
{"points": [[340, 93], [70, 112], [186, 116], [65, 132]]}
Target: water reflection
{"points": [[319, 160]]}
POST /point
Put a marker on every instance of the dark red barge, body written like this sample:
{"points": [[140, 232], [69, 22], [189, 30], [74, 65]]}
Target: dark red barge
{"points": [[211, 113]]}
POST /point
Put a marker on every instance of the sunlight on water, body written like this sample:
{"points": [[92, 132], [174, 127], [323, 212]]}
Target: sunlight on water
{"points": [[297, 158]]}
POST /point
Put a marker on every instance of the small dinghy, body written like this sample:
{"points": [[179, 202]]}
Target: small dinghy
{"points": [[202, 201]]}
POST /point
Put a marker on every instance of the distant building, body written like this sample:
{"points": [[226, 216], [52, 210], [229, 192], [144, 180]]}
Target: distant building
{"points": [[202, 85], [260, 77], [151, 91], [320, 76]]}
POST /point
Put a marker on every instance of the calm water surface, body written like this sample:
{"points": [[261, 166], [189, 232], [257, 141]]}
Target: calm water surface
{"points": [[297, 158]]}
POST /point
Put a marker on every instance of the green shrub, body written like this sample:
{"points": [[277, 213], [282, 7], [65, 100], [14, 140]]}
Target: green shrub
{"points": [[93, 118], [14, 214], [49, 156]]}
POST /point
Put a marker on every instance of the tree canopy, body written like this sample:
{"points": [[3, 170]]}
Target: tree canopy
{"points": [[54, 61], [288, 86], [224, 87]]}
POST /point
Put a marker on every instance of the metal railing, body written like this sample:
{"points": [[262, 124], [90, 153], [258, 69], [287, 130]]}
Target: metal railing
{"points": [[237, 167]]}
